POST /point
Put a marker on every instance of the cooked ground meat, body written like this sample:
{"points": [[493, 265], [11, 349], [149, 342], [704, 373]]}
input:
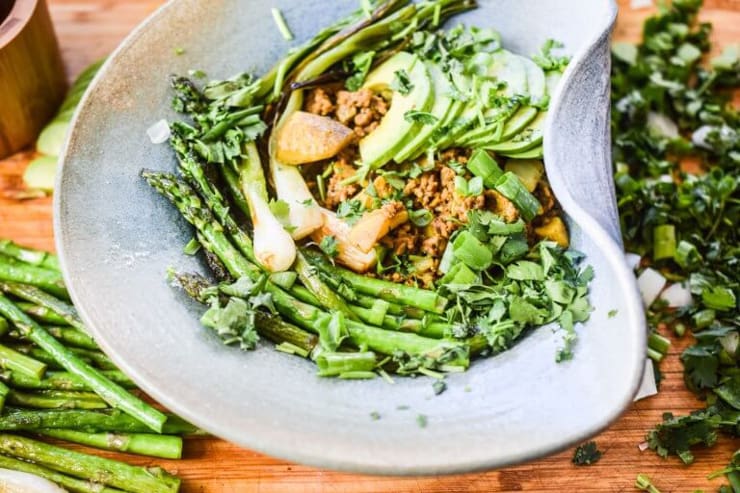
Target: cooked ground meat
{"points": [[344, 168], [360, 110]]}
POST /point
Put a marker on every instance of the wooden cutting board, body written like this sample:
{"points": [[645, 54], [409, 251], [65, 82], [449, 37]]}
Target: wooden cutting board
{"points": [[90, 29]]}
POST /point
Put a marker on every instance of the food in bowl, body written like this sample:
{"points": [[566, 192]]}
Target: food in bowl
{"points": [[377, 201]]}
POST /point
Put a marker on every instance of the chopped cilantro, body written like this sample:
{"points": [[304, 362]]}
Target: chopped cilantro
{"points": [[351, 211], [612, 313], [421, 217], [439, 386], [586, 454], [401, 82], [359, 67], [329, 246], [374, 415], [423, 117], [421, 420]]}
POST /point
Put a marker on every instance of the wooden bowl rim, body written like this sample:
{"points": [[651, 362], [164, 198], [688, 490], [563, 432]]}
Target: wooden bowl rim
{"points": [[16, 20]]}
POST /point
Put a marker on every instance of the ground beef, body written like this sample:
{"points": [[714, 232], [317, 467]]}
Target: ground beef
{"points": [[360, 110], [336, 191]]}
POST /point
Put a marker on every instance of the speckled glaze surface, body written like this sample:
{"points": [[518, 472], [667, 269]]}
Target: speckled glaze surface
{"points": [[117, 238]]}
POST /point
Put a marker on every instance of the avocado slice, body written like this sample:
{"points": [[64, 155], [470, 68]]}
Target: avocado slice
{"points": [[394, 130], [441, 106], [529, 171], [531, 136], [534, 153], [517, 118]]}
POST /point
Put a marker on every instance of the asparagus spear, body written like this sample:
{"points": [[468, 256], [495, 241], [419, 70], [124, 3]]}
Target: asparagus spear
{"points": [[62, 380], [105, 471], [420, 298], [165, 446], [16, 419], [67, 335], [36, 295], [3, 326], [68, 482], [18, 362], [302, 314], [41, 313], [56, 399], [4, 391], [29, 255], [325, 296], [109, 391], [93, 358], [16, 271]]}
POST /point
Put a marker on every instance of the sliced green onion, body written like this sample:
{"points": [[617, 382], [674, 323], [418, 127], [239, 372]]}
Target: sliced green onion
{"points": [[321, 186], [386, 377], [290, 348], [192, 247], [664, 242], [435, 16], [510, 186], [654, 355], [472, 252], [284, 279], [282, 26], [459, 274], [658, 343], [357, 375], [686, 254], [333, 364], [482, 165]]}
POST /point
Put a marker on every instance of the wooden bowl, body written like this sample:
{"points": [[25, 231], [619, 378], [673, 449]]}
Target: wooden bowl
{"points": [[32, 82]]}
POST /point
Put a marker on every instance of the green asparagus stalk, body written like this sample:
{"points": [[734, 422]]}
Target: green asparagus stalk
{"points": [[62, 380], [18, 362], [164, 446], [13, 270], [399, 293], [36, 295], [29, 255], [67, 335], [302, 314], [113, 420], [231, 178], [4, 391], [4, 326], [325, 296], [41, 313], [93, 358], [279, 331], [71, 484], [56, 399], [112, 393], [96, 469]]}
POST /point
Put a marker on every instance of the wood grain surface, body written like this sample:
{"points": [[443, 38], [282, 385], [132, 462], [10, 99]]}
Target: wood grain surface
{"points": [[87, 30]]}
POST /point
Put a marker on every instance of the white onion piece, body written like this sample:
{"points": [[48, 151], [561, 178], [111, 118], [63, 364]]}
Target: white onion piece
{"points": [[22, 482], [273, 246], [159, 133], [632, 259], [643, 446], [650, 283], [647, 386], [291, 187], [677, 295], [640, 4], [663, 125], [730, 342]]}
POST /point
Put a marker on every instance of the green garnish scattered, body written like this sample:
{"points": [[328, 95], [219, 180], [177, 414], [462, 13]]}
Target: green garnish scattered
{"points": [[329, 246], [612, 313], [439, 386], [282, 26], [402, 83], [421, 420], [587, 454]]}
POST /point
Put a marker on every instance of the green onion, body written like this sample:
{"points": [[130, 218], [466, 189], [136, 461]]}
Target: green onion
{"points": [[459, 274], [321, 186], [290, 348], [472, 252], [510, 186], [482, 165], [658, 343], [687, 255], [654, 355], [333, 364], [192, 247], [284, 279], [282, 26], [357, 375], [664, 242]]}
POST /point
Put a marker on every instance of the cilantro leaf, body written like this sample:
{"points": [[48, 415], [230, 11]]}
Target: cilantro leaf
{"points": [[587, 454]]}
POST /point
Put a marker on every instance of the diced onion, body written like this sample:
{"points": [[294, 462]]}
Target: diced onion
{"points": [[647, 387], [632, 259], [643, 446], [663, 125], [159, 133], [650, 283], [676, 295], [641, 4]]}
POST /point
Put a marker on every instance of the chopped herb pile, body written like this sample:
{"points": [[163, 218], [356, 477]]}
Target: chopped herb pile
{"points": [[676, 150], [586, 454]]}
